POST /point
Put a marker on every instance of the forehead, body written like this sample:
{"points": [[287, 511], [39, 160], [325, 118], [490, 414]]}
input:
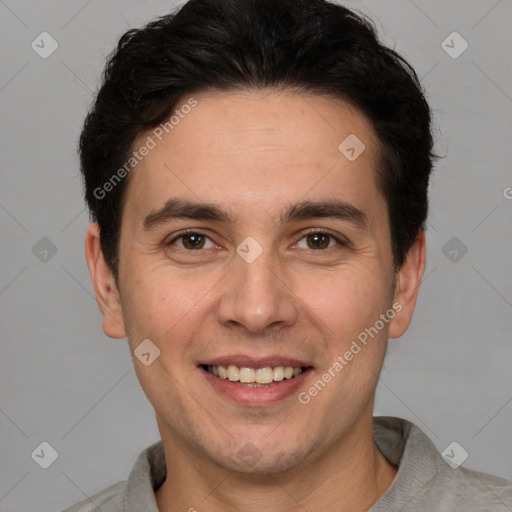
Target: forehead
{"points": [[258, 148]]}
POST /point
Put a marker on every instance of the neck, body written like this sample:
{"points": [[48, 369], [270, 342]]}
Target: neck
{"points": [[351, 476]]}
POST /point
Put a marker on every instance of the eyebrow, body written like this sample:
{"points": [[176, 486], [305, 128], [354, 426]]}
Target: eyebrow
{"points": [[186, 209]]}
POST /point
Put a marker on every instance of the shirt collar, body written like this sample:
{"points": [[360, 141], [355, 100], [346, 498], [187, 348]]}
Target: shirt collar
{"points": [[406, 446]]}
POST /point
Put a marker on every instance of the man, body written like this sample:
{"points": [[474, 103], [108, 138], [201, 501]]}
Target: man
{"points": [[257, 171]]}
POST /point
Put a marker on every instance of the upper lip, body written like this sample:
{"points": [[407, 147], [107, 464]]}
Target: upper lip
{"points": [[245, 361]]}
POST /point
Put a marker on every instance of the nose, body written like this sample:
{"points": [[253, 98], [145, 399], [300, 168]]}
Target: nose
{"points": [[258, 296]]}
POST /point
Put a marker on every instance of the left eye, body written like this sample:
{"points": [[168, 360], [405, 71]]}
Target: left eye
{"points": [[319, 240]]}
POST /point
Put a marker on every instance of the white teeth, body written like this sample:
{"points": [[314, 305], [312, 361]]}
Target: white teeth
{"points": [[233, 373], [265, 375], [246, 375], [278, 373], [223, 372]]}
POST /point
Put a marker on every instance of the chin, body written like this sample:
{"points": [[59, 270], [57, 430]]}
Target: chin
{"points": [[260, 461]]}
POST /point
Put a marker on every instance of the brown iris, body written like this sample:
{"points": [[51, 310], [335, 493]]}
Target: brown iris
{"points": [[320, 240], [193, 241]]}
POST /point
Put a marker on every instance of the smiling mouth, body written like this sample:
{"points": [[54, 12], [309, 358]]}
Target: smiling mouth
{"points": [[254, 377]]}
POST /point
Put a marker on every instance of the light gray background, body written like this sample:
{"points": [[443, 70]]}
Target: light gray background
{"points": [[63, 381]]}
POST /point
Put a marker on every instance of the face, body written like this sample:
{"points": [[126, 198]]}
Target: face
{"points": [[251, 244]]}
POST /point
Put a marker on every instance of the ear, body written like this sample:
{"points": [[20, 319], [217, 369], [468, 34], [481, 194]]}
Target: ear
{"points": [[104, 284], [407, 286]]}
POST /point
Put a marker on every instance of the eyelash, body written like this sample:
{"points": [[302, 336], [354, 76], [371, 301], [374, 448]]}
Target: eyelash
{"points": [[340, 242]]}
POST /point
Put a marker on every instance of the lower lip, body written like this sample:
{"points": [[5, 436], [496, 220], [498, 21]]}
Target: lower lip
{"points": [[246, 395]]}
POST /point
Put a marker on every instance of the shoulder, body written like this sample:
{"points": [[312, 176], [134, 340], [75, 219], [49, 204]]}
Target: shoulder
{"points": [[471, 489], [137, 492], [425, 481], [107, 500]]}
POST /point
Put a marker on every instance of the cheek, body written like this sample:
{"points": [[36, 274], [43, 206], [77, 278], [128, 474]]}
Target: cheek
{"points": [[151, 307], [349, 301], [166, 308]]}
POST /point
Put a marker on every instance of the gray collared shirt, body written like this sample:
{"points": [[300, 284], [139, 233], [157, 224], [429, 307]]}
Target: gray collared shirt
{"points": [[424, 481]]}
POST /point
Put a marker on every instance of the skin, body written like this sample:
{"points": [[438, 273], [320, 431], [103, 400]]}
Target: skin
{"points": [[255, 153]]}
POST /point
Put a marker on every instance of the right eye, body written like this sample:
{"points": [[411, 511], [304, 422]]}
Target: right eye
{"points": [[191, 241]]}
